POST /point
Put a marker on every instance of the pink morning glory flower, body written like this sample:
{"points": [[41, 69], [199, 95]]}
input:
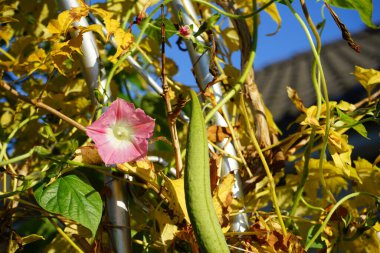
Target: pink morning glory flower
{"points": [[121, 133]]}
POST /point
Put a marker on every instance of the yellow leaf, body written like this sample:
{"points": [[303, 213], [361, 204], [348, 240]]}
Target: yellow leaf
{"points": [[6, 119], [368, 78], [334, 178], [6, 34], [345, 106], [293, 95], [370, 175], [75, 43], [273, 13], [87, 155], [61, 24], [94, 28], [100, 12], [54, 27], [340, 152], [112, 25], [168, 233], [231, 38], [124, 41], [222, 198], [77, 13], [232, 73], [311, 117], [176, 190], [73, 228], [377, 226], [35, 61]]}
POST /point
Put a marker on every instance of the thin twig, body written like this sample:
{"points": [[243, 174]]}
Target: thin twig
{"points": [[367, 99], [166, 96]]}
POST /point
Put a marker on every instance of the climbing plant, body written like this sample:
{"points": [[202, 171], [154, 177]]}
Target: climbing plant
{"points": [[105, 149]]}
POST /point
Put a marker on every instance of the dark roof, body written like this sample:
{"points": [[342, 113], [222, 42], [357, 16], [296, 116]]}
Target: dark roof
{"points": [[338, 62]]}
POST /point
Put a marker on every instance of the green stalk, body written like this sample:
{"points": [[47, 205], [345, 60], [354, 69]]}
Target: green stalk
{"points": [[328, 217], [17, 158], [326, 98], [244, 75], [272, 186], [316, 84], [66, 237], [227, 14], [305, 174]]}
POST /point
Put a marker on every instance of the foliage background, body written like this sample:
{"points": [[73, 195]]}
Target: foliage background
{"points": [[40, 59]]}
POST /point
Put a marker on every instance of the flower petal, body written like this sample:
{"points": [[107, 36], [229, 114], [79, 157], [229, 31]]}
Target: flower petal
{"points": [[114, 149], [142, 124], [129, 151]]}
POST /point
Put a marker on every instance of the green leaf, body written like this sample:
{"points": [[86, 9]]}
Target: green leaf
{"points": [[73, 198], [154, 30], [42, 151], [318, 243], [284, 2], [364, 7], [351, 122]]}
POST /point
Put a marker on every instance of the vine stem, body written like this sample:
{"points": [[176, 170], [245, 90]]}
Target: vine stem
{"points": [[272, 186], [307, 154], [9, 56], [326, 98], [122, 59], [166, 96], [66, 237], [17, 158], [234, 89], [42, 105], [227, 14], [328, 217]]}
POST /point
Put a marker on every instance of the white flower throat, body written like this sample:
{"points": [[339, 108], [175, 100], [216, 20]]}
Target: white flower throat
{"points": [[121, 131]]}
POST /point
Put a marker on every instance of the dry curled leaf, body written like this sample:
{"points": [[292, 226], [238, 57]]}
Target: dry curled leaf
{"points": [[218, 133], [345, 33], [222, 199], [88, 155]]}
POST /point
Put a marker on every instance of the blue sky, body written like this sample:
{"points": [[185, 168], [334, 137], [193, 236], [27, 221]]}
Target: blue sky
{"points": [[291, 39]]}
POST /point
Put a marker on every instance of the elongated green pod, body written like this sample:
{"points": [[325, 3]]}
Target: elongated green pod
{"points": [[197, 185]]}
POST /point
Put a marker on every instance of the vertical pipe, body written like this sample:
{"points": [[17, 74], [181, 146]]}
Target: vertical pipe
{"points": [[201, 70]]}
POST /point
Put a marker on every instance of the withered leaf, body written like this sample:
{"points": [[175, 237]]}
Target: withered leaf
{"points": [[218, 133]]}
